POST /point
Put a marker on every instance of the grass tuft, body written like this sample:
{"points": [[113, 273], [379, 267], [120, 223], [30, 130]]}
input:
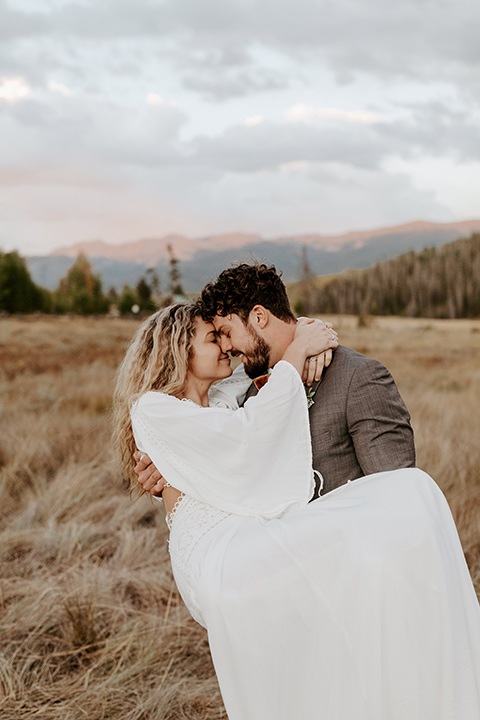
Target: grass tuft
{"points": [[92, 625]]}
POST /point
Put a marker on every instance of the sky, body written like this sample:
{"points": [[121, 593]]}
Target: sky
{"points": [[124, 119]]}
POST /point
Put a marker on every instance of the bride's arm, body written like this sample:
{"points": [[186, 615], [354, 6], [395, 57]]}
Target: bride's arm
{"points": [[312, 338], [240, 461]]}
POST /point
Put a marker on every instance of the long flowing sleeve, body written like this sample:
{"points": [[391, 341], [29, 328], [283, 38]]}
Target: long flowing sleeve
{"points": [[256, 460]]}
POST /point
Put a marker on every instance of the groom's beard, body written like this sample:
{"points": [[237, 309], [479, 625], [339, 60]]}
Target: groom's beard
{"points": [[257, 362]]}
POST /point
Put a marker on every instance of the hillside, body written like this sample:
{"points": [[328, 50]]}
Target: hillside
{"points": [[438, 282], [203, 258]]}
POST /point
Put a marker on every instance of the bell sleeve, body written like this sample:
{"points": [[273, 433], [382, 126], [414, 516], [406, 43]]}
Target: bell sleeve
{"points": [[256, 460]]}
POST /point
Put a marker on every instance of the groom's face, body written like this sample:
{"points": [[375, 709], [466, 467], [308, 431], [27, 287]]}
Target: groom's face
{"points": [[239, 339]]}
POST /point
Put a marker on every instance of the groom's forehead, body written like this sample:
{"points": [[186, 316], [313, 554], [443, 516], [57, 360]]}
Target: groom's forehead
{"points": [[224, 323]]}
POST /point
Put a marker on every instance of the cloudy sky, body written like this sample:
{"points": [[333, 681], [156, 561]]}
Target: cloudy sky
{"points": [[122, 119]]}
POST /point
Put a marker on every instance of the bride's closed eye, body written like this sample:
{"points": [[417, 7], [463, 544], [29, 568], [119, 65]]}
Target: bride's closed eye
{"points": [[214, 337]]}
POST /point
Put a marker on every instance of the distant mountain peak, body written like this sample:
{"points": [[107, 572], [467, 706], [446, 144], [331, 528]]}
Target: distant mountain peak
{"points": [[202, 258], [152, 250], [149, 251]]}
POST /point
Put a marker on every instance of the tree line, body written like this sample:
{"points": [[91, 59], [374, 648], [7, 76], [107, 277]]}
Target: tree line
{"points": [[438, 282], [81, 292]]}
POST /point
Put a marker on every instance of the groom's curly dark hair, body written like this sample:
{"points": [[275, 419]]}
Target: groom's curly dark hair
{"points": [[242, 286]]}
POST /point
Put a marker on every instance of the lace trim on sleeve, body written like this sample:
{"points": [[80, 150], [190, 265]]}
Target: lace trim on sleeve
{"points": [[170, 516]]}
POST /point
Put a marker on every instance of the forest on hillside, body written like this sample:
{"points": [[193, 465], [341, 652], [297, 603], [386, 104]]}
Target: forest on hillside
{"points": [[438, 282]]}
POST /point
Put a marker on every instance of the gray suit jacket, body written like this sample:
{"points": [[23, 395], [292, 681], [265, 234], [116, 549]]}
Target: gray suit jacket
{"points": [[359, 423]]}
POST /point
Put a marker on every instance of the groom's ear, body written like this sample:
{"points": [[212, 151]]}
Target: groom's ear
{"points": [[259, 317]]}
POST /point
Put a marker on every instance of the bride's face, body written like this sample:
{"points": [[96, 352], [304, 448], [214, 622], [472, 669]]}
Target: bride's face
{"points": [[208, 362]]}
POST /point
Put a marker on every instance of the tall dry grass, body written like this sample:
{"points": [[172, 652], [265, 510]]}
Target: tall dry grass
{"points": [[436, 364], [90, 620], [91, 623]]}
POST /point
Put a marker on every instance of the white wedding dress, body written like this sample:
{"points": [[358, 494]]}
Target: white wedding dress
{"points": [[357, 606]]}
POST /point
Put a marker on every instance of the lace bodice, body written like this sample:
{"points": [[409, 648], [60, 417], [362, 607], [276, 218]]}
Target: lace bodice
{"points": [[190, 522]]}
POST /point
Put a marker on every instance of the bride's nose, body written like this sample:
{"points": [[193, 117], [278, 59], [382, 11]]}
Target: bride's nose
{"points": [[225, 344]]}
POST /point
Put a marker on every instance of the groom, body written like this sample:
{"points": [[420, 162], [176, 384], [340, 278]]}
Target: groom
{"points": [[358, 422]]}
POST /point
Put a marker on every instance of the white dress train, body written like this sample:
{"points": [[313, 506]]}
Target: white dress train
{"points": [[357, 606]]}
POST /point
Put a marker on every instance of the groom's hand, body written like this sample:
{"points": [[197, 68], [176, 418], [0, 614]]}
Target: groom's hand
{"points": [[149, 477]]}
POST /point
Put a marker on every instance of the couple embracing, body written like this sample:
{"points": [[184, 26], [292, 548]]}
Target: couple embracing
{"points": [[322, 597]]}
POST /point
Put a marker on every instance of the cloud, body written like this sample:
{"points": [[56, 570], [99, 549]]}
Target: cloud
{"points": [[154, 99], [214, 45], [291, 113], [83, 131], [302, 198], [87, 130], [13, 89], [352, 138], [224, 83], [266, 146], [435, 129], [305, 113], [59, 87], [16, 24], [253, 120]]}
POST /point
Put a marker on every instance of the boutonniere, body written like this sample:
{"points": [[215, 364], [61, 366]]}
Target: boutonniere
{"points": [[310, 393]]}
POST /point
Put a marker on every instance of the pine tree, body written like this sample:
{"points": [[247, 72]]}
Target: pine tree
{"points": [[154, 281], [306, 302], [80, 291], [144, 296], [174, 274], [18, 292], [128, 301]]}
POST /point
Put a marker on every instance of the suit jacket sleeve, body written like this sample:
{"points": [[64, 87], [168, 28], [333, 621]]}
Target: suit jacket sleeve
{"points": [[378, 420]]}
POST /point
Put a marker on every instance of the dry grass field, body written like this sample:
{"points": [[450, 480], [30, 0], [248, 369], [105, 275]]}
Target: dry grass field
{"points": [[91, 624]]}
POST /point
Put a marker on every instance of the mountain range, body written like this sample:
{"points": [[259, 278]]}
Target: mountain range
{"points": [[202, 258]]}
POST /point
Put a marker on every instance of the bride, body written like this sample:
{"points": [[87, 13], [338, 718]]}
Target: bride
{"points": [[356, 606]]}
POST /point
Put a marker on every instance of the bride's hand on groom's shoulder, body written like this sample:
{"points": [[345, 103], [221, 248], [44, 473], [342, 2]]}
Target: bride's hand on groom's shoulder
{"points": [[318, 331], [315, 336], [314, 367], [148, 476], [302, 321], [311, 339]]}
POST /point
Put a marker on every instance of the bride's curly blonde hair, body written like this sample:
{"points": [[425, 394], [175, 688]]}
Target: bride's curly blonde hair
{"points": [[157, 359]]}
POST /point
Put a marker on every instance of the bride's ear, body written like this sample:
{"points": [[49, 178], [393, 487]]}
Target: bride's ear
{"points": [[259, 317]]}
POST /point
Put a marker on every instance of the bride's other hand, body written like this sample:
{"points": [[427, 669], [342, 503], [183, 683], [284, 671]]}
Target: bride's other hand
{"points": [[315, 336], [148, 476], [312, 338], [314, 367]]}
